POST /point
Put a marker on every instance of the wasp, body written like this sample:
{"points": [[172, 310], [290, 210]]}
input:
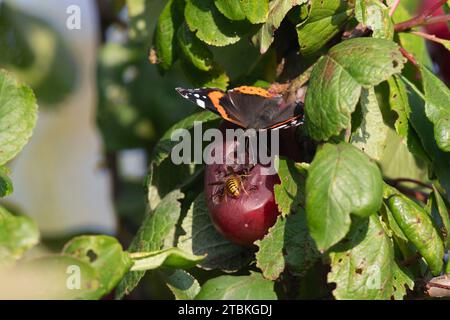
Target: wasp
{"points": [[232, 184]]}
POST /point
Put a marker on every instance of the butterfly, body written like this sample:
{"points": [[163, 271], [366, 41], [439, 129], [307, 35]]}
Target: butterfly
{"points": [[248, 107]]}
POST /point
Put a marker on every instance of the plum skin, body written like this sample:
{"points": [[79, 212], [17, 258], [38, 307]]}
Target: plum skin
{"points": [[248, 217]]}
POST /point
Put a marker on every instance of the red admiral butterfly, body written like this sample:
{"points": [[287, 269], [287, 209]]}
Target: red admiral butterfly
{"points": [[248, 107]]}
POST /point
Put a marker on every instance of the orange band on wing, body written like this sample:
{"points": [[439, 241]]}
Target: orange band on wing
{"points": [[254, 90], [284, 122], [215, 97]]}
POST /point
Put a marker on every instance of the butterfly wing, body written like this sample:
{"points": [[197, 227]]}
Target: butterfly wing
{"points": [[214, 100], [248, 107], [260, 109]]}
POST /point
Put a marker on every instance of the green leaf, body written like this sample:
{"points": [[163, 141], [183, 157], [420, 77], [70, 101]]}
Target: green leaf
{"points": [[375, 15], [156, 227], [398, 101], [418, 227], [104, 254], [171, 257], [337, 79], [278, 9], [6, 186], [165, 34], [270, 258], [364, 267], [210, 25], [325, 19], [215, 78], [252, 287], [195, 51], [424, 128], [183, 285], [371, 136], [440, 214], [290, 194], [18, 234], [165, 144], [301, 250], [52, 278], [18, 115], [288, 243], [341, 180], [230, 9], [201, 238], [437, 107], [256, 11], [399, 162]]}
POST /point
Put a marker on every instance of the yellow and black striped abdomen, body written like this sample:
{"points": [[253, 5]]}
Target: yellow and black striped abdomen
{"points": [[232, 185]]}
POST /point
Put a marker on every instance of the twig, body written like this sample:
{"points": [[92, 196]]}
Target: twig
{"points": [[394, 7], [423, 18], [420, 183], [409, 56], [427, 36]]}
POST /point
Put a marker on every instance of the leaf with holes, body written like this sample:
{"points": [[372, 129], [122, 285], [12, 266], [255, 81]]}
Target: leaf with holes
{"points": [[338, 77], [364, 267], [252, 287], [375, 15], [341, 180], [104, 254]]}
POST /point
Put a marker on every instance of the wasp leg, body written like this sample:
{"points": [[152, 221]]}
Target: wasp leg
{"points": [[215, 183]]}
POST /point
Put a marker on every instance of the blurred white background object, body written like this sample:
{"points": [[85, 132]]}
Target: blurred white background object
{"points": [[58, 179]]}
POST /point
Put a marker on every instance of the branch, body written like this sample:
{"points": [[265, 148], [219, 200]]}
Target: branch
{"points": [[394, 7], [409, 56], [423, 19], [427, 36], [420, 183]]}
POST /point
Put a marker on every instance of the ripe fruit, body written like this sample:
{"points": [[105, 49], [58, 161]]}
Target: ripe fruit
{"points": [[247, 217]]}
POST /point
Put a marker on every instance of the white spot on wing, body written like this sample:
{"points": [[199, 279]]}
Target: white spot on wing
{"points": [[201, 103]]}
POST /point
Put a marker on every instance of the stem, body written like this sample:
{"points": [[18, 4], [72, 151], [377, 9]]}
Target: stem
{"points": [[420, 183], [423, 18], [427, 36], [394, 7], [408, 56]]}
